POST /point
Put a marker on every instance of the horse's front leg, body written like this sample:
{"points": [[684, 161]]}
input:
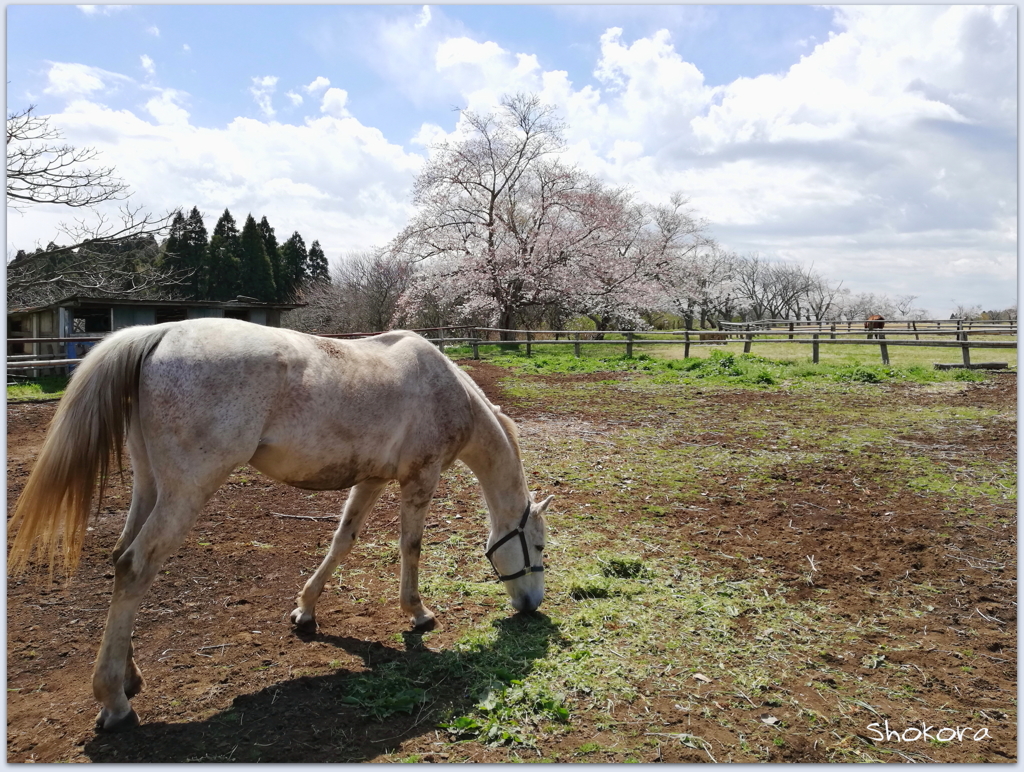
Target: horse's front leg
{"points": [[360, 501], [416, 496]]}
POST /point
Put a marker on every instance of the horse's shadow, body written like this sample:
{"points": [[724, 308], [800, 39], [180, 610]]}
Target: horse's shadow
{"points": [[344, 716]]}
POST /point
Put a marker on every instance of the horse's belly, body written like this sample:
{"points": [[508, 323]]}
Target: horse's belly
{"points": [[316, 474]]}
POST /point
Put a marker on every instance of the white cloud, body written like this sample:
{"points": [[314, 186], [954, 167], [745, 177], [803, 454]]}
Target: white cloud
{"points": [[147, 64], [166, 110], [411, 41], [103, 10], [885, 156], [71, 80], [262, 90], [186, 48], [334, 103], [847, 142], [424, 18], [153, 30], [331, 178], [319, 84]]}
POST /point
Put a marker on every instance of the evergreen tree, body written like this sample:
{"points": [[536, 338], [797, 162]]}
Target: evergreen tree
{"points": [[257, 278], [294, 262], [224, 260], [318, 270], [185, 251], [271, 248], [195, 252], [173, 249]]}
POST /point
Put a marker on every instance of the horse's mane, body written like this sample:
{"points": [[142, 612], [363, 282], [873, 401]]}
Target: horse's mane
{"points": [[507, 424], [511, 431]]}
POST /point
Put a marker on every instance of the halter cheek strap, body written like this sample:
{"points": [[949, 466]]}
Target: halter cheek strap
{"points": [[520, 532]]}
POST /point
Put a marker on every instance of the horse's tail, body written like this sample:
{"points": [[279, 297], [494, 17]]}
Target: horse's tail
{"points": [[90, 425]]}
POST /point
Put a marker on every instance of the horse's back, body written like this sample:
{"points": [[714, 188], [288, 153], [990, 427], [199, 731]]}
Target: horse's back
{"points": [[313, 412]]}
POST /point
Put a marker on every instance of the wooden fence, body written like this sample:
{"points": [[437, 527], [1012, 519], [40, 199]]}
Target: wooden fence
{"points": [[815, 334], [959, 330]]}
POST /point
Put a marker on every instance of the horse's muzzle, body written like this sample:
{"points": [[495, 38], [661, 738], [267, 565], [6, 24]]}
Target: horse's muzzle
{"points": [[528, 601]]}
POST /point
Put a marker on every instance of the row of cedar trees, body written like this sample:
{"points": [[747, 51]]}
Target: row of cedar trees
{"points": [[232, 263]]}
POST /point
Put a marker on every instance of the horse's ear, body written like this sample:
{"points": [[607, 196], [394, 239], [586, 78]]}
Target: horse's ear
{"points": [[544, 504]]}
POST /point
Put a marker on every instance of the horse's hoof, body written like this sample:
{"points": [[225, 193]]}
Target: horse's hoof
{"points": [[424, 626], [303, 621], [104, 722]]}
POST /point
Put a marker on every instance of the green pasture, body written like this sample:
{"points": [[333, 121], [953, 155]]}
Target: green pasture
{"points": [[646, 643], [792, 352], [721, 365], [841, 362], [633, 620]]}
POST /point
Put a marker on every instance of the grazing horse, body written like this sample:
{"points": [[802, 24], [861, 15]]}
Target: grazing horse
{"points": [[874, 322], [195, 399]]}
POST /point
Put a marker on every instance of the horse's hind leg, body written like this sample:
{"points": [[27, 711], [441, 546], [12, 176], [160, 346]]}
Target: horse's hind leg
{"points": [[360, 501], [416, 495], [134, 572], [143, 500]]}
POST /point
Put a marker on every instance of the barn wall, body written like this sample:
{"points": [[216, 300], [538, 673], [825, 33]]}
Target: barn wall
{"points": [[205, 313], [129, 316]]}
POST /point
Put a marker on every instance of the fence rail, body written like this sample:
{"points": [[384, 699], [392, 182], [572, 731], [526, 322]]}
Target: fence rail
{"points": [[815, 334]]}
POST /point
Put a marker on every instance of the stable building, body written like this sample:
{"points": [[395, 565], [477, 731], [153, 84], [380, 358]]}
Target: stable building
{"points": [[91, 317]]}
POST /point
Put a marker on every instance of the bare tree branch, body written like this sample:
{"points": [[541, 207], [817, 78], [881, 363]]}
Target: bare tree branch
{"points": [[41, 172], [98, 256]]}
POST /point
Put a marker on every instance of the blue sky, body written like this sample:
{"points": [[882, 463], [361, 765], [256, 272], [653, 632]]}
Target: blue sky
{"points": [[878, 143]]}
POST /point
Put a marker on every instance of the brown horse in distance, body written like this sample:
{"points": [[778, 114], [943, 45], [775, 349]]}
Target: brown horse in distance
{"points": [[874, 322]]}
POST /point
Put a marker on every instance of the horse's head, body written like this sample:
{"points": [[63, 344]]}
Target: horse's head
{"points": [[517, 554]]}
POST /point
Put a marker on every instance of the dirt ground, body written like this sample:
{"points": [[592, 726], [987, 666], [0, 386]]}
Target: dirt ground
{"points": [[213, 632]]}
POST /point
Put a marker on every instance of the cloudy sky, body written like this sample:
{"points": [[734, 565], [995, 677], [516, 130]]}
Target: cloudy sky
{"points": [[877, 143]]}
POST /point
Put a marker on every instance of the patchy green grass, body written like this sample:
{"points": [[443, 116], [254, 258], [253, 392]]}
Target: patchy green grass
{"points": [[49, 387], [715, 367], [635, 623]]}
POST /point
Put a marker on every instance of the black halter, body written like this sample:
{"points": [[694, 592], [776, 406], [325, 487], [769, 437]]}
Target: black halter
{"points": [[527, 569]]}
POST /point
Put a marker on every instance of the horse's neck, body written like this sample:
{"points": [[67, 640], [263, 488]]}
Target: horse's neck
{"points": [[494, 459]]}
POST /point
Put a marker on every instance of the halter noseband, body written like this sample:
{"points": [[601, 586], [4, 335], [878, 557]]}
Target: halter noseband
{"points": [[520, 531]]}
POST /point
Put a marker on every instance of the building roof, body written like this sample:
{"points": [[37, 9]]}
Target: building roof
{"points": [[83, 301]]}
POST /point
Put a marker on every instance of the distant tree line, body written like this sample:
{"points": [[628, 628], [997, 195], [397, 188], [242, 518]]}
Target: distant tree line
{"points": [[188, 265], [249, 262]]}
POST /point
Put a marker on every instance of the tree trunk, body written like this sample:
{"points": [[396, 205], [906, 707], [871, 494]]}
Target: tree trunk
{"points": [[507, 322]]}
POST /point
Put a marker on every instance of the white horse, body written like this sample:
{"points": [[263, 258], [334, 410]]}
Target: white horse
{"points": [[196, 399]]}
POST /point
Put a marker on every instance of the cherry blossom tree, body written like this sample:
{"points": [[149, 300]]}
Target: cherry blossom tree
{"points": [[507, 230]]}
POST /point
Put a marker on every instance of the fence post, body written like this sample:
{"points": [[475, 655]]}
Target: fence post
{"points": [[814, 348], [791, 331], [576, 345], [832, 331], [884, 349], [629, 345], [747, 342], [967, 352], [476, 347], [686, 343], [529, 338]]}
